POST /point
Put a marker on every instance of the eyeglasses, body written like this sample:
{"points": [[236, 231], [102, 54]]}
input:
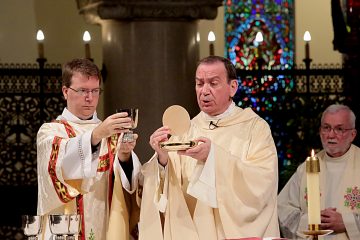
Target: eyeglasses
{"points": [[337, 130], [85, 92]]}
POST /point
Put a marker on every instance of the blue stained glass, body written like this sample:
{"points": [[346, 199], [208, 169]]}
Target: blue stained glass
{"points": [[275, 20]]}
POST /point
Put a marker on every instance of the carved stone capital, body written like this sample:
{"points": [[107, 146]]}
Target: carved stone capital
{"points": [[97, 10]]}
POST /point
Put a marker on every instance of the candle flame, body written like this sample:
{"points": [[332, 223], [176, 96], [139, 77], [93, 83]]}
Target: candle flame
{"points": [[86, 36], [312, 153], [40, 35], [198, 37], [307, 36], [259, 37], [211, 36]]}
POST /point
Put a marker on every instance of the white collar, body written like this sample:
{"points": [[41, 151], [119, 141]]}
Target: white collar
{"points": [[68, 116], [342, 158], [227, 112]]}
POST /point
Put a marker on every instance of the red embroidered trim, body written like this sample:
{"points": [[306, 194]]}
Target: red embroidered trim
{"points": [[79, 199], [112, 144], [106, 161], [60, 188], [69, 129]]}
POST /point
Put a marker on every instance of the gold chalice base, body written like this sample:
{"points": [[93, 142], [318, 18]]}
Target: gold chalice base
{"points": [[177, 146]]}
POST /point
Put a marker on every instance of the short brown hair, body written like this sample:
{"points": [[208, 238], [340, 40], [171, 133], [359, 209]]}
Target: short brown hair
{"points": [[230, 68], [79, 65]]}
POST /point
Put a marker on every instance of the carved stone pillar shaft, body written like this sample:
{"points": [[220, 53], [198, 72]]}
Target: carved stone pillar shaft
{"points": [[150, 66], [150, 53]]}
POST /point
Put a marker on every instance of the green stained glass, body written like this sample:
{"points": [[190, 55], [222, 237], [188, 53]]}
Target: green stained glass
{"points": [[266, 95], [273, 18]]}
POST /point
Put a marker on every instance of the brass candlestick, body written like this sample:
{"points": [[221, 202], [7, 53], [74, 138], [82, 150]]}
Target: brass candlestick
{"points": [[314, 234]]}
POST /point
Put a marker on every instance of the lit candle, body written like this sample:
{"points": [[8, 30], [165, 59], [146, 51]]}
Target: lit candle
{"points": [[87, 38], [313, 191], [40, 38], [307, 39], [258, 40], [211, 39]]}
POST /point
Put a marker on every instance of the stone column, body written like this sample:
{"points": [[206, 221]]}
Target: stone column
{"points": [[150, 53]]}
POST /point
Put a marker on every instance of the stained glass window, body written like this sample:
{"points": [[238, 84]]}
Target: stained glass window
{"points": [[273, 18], [266, 94]]}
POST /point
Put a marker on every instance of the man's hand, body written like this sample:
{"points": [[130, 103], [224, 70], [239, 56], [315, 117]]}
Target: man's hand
{"points": [[125, 149], [201, 151], [116, 123], [160, 135], [332, 220]]}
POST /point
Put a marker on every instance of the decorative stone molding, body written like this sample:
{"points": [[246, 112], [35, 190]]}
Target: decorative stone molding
{"points": [[97, 10]]}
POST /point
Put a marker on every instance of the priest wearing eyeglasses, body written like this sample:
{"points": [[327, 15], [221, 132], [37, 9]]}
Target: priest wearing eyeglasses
{"points": [[83, 166], [339, 181]]}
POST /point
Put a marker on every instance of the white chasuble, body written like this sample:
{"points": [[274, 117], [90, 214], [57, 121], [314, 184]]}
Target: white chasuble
{"points": [[346, 200], [89, 194], [232, 195]]}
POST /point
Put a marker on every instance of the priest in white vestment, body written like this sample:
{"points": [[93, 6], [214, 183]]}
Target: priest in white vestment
{"points": [[339, 182], [83, 166], [223, 188]]}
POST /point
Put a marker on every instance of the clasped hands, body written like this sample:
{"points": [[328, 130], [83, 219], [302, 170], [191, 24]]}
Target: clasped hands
{"points": [[114, 124], [332, 220], [200, 152]]}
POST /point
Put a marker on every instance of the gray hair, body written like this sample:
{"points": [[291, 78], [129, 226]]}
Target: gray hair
{"points": [[334, 108]]}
